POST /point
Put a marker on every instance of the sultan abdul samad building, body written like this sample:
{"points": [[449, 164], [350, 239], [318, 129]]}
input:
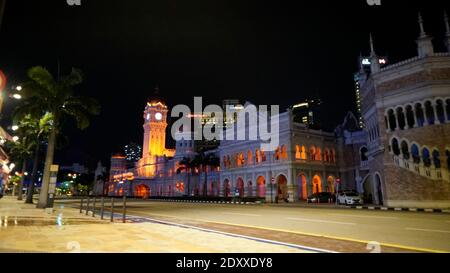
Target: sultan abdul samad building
{"points": [[400, 158]]}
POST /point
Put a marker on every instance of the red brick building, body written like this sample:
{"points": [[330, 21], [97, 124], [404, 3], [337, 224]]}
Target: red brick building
{"points": [[406, 108]]}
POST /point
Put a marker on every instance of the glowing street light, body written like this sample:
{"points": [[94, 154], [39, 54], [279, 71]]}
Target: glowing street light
{"points": [[19, 88], [15, 138], [17, 96], [15, 127]]}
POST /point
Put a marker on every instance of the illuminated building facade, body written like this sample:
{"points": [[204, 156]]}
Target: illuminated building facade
{"points": [[406, 107]]}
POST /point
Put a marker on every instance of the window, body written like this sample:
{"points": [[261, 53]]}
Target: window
{"points": [[401, 118], [436, 159], [420, 115], [405, 150], [426, 157], [415, 153], [394, 146], [430, 113], [440, 111], [392, 120], [363, 153], [410, 116]]}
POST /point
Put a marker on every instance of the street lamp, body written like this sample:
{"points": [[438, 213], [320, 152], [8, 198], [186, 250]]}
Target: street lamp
{"points": [[17, 96], [15, 138], [15, 127], [19, 88]]}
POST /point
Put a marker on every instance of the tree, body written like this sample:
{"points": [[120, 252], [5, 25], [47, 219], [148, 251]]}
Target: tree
{"points": [[204, 161], [186, 164], [33, 131], [43, 93], [29, 132]]}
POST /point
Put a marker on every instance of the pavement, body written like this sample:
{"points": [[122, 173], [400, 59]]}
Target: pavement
{"points": [[24, 228]]}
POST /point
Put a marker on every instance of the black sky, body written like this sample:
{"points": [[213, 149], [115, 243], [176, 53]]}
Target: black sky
{"points": [[267, 52]]}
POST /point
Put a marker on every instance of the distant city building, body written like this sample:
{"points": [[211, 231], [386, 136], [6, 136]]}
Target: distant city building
{"points": [[132, 152], [308, 112], [364, 64], [75, 168]]}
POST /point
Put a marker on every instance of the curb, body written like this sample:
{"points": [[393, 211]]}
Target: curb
{"points": [[400, 209], [207, 202]]}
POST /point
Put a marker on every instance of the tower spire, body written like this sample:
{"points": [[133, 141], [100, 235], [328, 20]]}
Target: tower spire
{"points": [[372, 50], [374, 62], [447, 32], [422, 29], [447, 27], [424, 42]]}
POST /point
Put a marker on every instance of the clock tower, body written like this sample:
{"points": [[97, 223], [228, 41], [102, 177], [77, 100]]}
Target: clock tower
{"points": [[155, 124]]}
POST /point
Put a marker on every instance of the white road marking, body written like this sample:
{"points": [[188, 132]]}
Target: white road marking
{"points": [[321, 221], [241, 214], [363, 216], [428, 230]]}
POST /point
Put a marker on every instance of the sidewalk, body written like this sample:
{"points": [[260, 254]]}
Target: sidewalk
{"points": [[24, 228]]}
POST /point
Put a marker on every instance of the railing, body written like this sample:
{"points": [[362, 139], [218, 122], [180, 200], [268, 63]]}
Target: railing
{"points": [[92, 209], [420, 169]]}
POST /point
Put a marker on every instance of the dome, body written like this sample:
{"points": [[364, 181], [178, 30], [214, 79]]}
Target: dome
{"points": [[156, 99]]}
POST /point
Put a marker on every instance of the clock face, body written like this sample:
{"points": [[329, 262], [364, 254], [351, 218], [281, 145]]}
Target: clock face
{"points": [[158, 116]]}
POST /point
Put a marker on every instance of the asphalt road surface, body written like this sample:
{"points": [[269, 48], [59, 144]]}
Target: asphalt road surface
{"points": [[415, 231]]}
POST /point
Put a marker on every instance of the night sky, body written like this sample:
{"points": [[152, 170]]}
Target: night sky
{"points": [[266, 52]]}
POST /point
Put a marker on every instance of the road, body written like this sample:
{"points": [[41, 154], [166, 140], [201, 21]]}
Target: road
{"points": [[409, 230]]}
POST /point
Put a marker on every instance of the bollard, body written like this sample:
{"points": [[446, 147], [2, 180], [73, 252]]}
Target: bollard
{"points": [[81, 205], [124, 208], [87, 205], [93, 207], [112, 209], [102, 210]]}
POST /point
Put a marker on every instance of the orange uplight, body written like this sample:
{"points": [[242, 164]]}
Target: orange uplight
{"points": [[156, 103], [2, 81]]}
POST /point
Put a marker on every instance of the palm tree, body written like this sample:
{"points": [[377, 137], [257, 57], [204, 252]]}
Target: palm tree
{"points": [[186, 164], [36, 129], [205, 161], [20, 150], [43, 93]]}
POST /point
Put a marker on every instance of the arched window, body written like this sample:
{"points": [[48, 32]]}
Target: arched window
{"points": [[415, 153], [333, 156], [386, 122], [401, 118], [303, 154], [326, 155], [447, 108], [426, 157], [284, 154], [312, 153], [436, 159], [405, 150], [430, 112], [440, 111], [257, 156], [392, 120], [241, 160], [363, 153], [395, 147], [249, 157], [263, 156], [297, 152], [277, 154], [419, 115], [319, 154], [410, 116], [447, 154]]}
